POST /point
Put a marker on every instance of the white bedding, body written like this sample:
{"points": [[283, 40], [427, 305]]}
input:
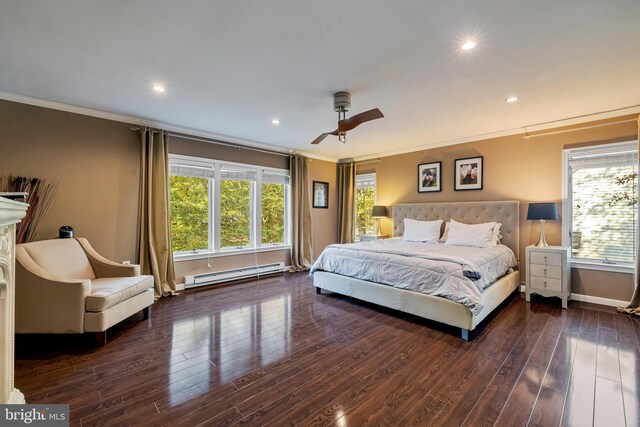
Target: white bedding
{"points": [[430, 268]]}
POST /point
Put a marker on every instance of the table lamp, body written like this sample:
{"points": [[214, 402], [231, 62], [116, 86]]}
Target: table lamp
{"points": [[377, 212], [542, 212]]}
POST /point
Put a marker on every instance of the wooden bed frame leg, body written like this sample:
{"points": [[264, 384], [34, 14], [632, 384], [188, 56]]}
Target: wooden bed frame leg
{"points": [[466, 334], [101, 338], [146, 312], [318, 291]]}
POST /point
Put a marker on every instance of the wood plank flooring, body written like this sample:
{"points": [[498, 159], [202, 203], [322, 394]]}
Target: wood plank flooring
{"points": [[272, 352]]}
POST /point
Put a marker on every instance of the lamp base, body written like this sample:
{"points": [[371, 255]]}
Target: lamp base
{"points": [[542, 242], [378, 231]]}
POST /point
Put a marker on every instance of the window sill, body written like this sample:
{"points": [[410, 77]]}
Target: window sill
{"points": [[230, 252], [598, 266]]}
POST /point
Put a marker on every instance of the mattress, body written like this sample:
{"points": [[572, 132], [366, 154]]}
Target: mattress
{"points": [[430, 268]]}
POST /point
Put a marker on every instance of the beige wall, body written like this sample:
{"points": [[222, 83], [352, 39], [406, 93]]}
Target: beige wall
{"points": [[515, 169], [96, 162], [325, 221]]}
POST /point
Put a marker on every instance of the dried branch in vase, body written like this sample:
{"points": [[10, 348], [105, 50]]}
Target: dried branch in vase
{"points": [[41, 192]]}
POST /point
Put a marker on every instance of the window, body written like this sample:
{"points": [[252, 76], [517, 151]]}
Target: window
{"points": [[600, 205], [219, 207], [365, 199]]}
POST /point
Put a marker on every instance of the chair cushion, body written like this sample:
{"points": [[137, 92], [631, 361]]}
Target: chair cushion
{"points": [[110, 291], [61, 257]]}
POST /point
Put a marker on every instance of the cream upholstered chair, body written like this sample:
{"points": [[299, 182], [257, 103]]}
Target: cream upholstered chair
{"points": [[64, 286]]}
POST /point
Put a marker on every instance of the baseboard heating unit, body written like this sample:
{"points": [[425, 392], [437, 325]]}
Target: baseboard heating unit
{"points": [[196, 280]]}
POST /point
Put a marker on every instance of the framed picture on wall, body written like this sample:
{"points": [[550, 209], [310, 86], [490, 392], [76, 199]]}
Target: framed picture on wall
{"points": [[468, 173], [320, 194], [429, 177]]}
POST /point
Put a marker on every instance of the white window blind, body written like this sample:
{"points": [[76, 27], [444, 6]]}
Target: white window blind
{"points": [[237, 174], [195, 171], [366, 180], [273, 178], [621, 155], [602, 210]]}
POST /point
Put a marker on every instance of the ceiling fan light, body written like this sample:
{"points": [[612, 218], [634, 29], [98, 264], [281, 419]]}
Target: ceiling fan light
{"points": [[342, 137]]}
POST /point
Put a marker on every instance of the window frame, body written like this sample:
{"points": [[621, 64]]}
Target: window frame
{"points": [[255, 226], [567, 209], [363, 176]]}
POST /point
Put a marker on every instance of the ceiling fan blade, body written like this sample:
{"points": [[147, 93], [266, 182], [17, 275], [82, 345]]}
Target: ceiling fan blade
{"points": [[319, 139], [353, 121]]}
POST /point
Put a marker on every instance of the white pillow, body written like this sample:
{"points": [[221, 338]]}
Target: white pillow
{"points": [[476, 235], [421, 231]]}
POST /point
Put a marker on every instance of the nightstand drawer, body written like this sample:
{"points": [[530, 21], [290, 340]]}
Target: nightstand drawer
{"points": [[546, 271], [545, 258], [553, 285]]}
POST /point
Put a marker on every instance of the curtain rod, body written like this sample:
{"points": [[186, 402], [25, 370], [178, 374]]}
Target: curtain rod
{"points": [[226, 144], [527, 136]]}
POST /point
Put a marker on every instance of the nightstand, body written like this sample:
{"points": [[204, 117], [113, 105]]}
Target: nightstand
{"points": [[549, 272], [367, 237]]}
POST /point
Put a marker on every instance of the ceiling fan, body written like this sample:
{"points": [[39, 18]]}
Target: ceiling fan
{"points": [[342, 104]]}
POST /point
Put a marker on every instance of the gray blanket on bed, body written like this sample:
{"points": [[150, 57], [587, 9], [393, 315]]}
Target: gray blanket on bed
{"points": [[434, 269]]}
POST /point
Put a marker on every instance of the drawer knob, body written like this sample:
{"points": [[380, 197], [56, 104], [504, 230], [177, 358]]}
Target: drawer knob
{"points": [[545, 284], [545, 271]]}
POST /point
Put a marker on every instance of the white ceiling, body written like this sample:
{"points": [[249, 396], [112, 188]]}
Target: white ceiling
{"points": [[231, 66]]}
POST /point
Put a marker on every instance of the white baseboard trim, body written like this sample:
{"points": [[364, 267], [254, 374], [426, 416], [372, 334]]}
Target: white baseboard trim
{"points": [[591, 299], [599, 300], [180, 286]]}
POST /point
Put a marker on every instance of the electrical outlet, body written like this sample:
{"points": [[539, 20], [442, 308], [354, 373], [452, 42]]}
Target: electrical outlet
{"points": [[127, 262]]}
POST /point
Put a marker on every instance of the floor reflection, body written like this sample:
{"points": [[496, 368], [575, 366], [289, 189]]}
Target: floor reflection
{"points": [[185, 332], [233, 341]]}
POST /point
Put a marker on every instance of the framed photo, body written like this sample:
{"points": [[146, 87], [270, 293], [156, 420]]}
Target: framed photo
{"points": [[468, 173], [320, 194], [429, 177]]}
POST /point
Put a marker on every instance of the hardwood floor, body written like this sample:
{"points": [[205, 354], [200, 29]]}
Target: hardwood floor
{"points": [[271, 351]]}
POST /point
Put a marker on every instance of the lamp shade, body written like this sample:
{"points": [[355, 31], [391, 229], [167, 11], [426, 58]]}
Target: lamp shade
{"points": [[542, 211], [379, 212]]}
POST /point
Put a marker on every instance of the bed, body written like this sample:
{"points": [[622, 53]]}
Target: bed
{"points": [[432, 307]]}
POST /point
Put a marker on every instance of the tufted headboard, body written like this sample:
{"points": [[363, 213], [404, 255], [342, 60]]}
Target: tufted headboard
{"points": [[507, 213]]}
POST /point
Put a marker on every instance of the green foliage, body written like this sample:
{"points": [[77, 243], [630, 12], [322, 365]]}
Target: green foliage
{"points": [[235, 213], [272, 213], [189, 202], [364, 203], [190, 216], [627, 194]]}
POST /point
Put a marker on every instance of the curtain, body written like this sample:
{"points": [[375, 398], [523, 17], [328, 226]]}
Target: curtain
{"points": [[301, 241], [154, 228], [634, 305], [346, 201]]}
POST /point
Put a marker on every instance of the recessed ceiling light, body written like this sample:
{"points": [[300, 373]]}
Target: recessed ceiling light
{"points": [[275, 122], [511, 99], [158, 88], [468, 45]]}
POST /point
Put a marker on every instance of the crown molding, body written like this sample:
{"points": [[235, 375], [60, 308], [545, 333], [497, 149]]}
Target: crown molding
{"points": [[139, 121]]}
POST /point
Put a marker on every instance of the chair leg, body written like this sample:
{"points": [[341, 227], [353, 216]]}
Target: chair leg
{"points": [[146, 312], [101, 338]]}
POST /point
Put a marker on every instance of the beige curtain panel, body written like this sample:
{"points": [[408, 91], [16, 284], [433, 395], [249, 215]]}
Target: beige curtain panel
{"points": [[301, 241], [154, 226], [634, 305], [346, 201]]}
